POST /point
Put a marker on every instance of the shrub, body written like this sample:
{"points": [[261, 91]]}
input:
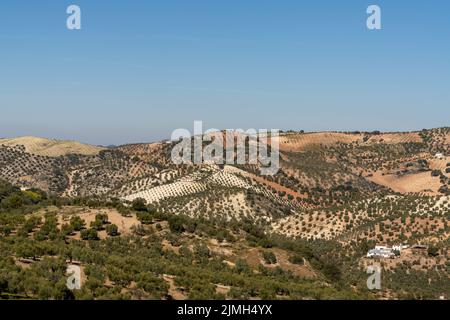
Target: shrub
{"points": [[102, 218], [97, 225], [155, 286], [145, 217], [202, 251], [176, 224], [433, 251], [89, 234], [436, 173], [139, 204], [269, 257], [67, 229], [13, 201], [242, 267], [296, 259], [112, 230], [77, 223]]}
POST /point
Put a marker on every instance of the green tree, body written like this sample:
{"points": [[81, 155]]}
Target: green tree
{"points": [[145, 217], [139, 204], [89, 234], [433, 251], [176, 224], [112, 230], [102, 218], [67, 230], [153, 285], [97, 225], [77, 223], [14, 201]]}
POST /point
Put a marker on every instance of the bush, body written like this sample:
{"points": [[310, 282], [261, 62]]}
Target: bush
{"points": [[112, 230], [296, 259], [202, 251], [13, 201], [101, 218], [145, 217], [433, 251], [153, 285], [77, 223], [242, 267], [436, 173], [176, 224], [97, 225], [139, 204], [444, 190], [67, 229], [269, 257], [89, 234]]}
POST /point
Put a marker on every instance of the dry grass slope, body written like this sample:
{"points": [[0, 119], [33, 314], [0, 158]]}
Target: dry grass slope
{"points": [[51, 148]]}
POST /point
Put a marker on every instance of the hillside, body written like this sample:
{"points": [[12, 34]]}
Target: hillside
{"points": [[138, 253], [50, 148], [337, 195]]}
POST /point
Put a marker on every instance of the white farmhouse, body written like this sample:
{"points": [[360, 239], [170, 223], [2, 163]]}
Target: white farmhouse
{"points": [[381, 253], [385, 252]]}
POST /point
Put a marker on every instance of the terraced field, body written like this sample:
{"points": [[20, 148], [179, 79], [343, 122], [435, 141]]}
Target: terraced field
{"points": [[363, 219]]}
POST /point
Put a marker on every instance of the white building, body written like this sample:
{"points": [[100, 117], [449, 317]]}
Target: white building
{"points": [[385, 252], [439, 156]]}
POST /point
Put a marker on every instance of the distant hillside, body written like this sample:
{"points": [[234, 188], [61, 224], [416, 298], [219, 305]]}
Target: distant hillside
{"points": [[51, 148], [311, 163]]}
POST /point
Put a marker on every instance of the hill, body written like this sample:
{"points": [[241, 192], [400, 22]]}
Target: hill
{"points": [[336, 195], [50, 148]]}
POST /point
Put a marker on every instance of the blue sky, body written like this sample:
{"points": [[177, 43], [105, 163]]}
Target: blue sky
{"points": [[140, 69]]}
